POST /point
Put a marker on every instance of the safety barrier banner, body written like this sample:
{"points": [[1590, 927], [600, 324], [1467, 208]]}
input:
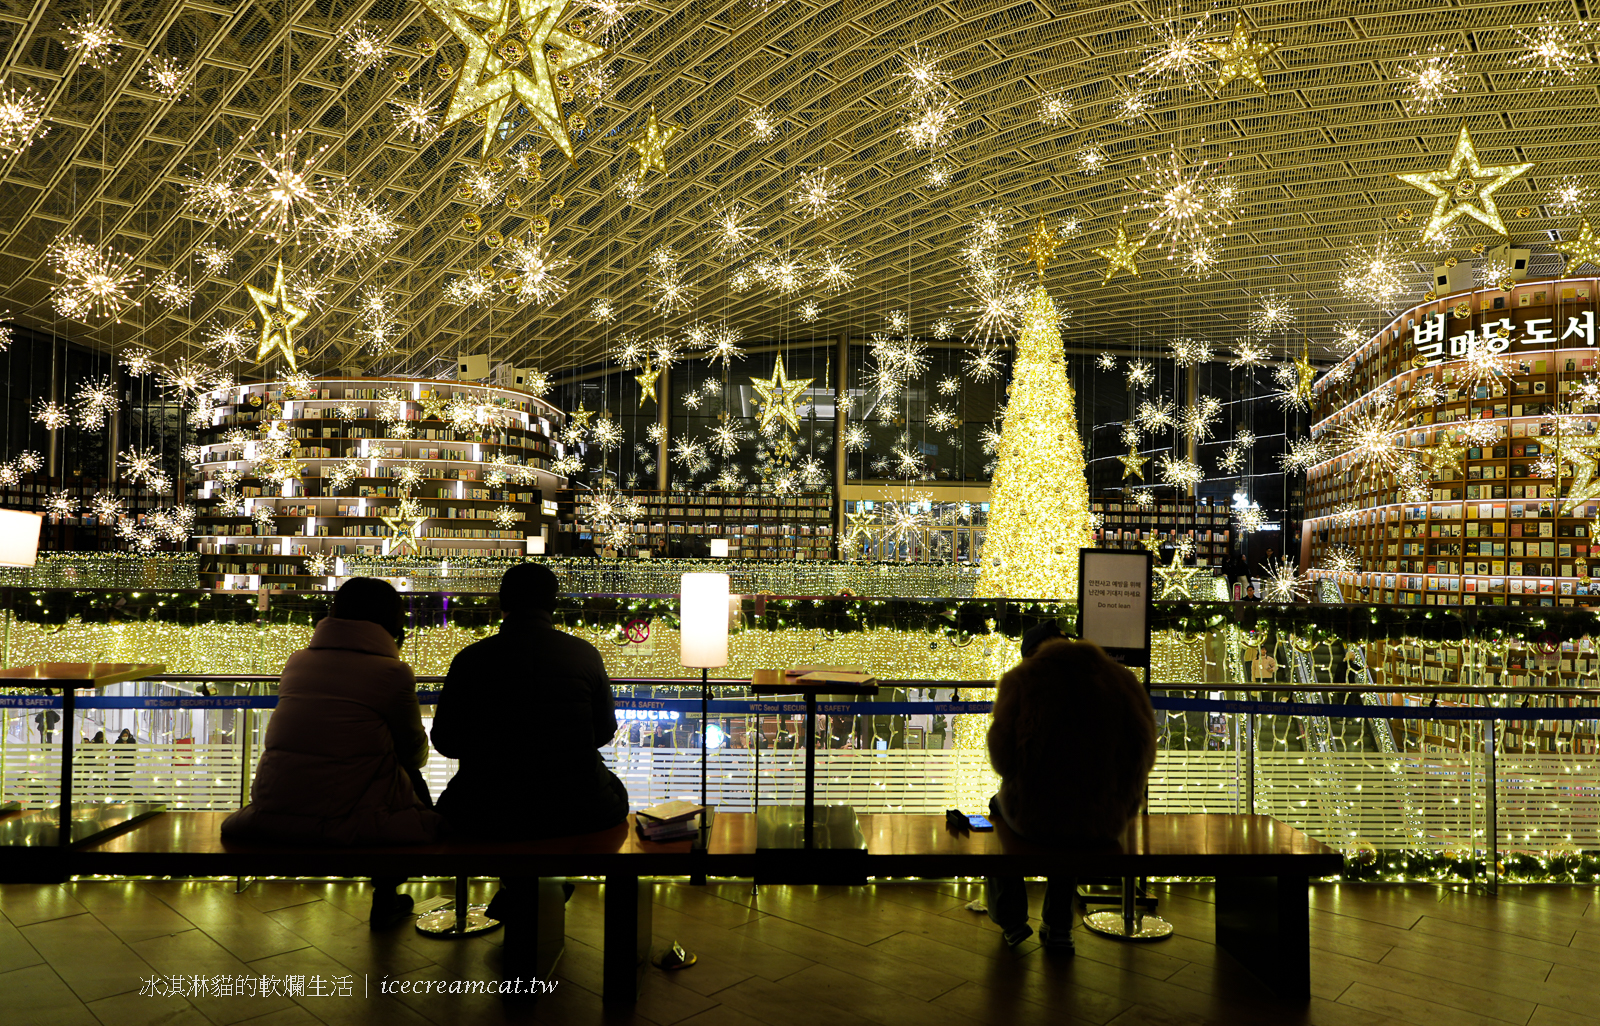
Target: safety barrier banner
{"points": [[753, 707]]}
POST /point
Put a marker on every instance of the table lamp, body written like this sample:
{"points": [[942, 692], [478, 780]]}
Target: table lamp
{"points": [[719, 548], [703, 641], [19, 539]]}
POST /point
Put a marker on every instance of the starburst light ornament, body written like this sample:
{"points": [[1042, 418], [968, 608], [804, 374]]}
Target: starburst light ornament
{"points": [[415, 119], [91, 281], [1428, 77], [1249, 520], [290, 192], [1055, 109], [1178, 54], [1189, 203], [1089, 159], [1376, 276], [517, 57], [172, 290], [761, 123], [1348, 336], [1555, 51], [1272, 313], [1464, 188], [817, 194], [21, 118], [1568, 195], [1188, 352], [165, 76], [95, 42], [361, 46]]}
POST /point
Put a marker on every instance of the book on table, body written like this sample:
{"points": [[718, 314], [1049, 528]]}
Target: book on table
{"points": [[669, 821]]}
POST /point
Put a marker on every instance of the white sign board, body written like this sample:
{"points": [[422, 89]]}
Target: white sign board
{"points": [[1114, 603]]}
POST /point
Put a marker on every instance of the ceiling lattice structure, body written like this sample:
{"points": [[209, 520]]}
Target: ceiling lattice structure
{"points": [[1312, 159]]}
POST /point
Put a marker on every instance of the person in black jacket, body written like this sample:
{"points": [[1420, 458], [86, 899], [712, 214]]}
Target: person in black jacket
{"points": [[528, 673]]}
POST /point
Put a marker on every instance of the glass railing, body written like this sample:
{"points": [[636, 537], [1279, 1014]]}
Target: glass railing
{"points": [[1506, 788]]}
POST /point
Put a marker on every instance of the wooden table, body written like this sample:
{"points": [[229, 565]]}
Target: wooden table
{"points": [[1262, 867], [69, 679]]}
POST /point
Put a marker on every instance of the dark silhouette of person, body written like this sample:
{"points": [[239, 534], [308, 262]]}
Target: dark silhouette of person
{"points": [[46, 721], [1078, 795], [529, 672]]}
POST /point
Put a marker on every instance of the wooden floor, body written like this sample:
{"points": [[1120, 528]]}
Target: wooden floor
{"points": [[894, 954]]}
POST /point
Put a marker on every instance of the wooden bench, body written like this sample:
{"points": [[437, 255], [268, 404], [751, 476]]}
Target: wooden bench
{"points": [[1262, 868]]}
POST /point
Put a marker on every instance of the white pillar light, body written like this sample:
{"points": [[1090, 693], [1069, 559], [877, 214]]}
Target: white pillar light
{"points": [[703, 620], [719, 547]]}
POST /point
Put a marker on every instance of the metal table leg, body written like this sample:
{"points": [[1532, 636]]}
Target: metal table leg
{"points": [[463, 920], [1129, 923]]}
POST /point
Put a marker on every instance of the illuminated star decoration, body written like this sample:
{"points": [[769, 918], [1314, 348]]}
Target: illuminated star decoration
{"points": [[407, 527], [279, 317], [647, 382], [1304, 374], [492, 74], [1120, 255], [652, 147], [1582, 453], [1133, 464], [1582, 250], [579, 419], [1042, 246], [859, 524], [1468, 188], [1176, 580], [1238, 57], [779, 396], [433, 405]]}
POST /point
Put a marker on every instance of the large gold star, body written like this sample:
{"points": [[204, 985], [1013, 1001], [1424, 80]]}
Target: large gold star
{"points": [[504, 64], [1305, 376], [433, 405], [647, 383], [579, 419], [1465, 188], [858, 526], [1120, 255], [1176, 580], [1238, 57], [1042, 246], [651, 148], [279, 317], [1582, 453], [1133, 463], [779, 396], [1580, 251], [1447, 454], [407, 527]]}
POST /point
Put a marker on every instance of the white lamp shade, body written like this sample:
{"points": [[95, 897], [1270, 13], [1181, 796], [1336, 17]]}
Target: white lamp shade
{"points": [[19, 537], [535, 546], [703, 620], [719, 547]]}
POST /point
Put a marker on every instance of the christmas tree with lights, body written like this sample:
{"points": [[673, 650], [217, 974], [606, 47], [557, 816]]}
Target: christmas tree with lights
{"points": [[1039, 513]]}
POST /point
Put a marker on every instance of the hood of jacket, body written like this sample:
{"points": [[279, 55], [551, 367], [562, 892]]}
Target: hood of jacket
{"points": [[354, 635]]}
